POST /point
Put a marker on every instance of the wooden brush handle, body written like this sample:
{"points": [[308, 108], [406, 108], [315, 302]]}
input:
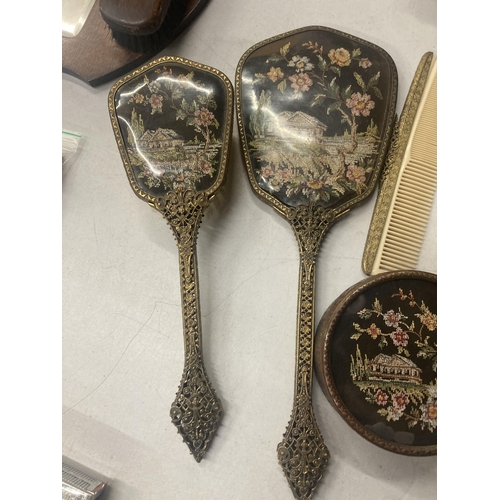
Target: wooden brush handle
{"points": [[134, 17]]}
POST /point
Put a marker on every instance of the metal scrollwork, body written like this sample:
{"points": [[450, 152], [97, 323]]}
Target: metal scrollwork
{"points": [[303, 454], [196, 410]]}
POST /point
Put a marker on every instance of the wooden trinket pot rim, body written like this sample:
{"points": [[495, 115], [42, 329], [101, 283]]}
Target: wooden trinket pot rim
{"points": [[323, 357]]}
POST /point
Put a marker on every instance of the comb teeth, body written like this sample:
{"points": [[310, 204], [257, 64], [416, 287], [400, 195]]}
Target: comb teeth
{"points": [[411, 204]]}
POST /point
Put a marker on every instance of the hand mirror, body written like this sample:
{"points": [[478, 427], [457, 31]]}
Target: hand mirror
{"points": [[315, 112]]}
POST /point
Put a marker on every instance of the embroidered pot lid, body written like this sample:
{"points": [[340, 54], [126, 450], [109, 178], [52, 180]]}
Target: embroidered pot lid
{"points": [[376, 360]]}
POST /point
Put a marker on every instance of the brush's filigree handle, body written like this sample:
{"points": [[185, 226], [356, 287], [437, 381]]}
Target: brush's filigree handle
{"points": [[303, 454], [196, 411]]}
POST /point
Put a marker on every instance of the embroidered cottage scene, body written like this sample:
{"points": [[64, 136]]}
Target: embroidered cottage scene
{"points": [[180, 145], [301, 96], [392, 380]]}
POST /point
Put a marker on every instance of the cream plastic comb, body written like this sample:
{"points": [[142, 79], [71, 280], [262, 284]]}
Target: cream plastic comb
{"points": [[408, 183]]}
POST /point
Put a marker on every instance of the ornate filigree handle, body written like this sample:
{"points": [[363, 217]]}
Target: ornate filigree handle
{"points": [[303, 454], [196, 410]]}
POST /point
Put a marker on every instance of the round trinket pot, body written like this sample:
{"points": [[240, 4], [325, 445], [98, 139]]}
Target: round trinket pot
{"points": [[376, 360]]}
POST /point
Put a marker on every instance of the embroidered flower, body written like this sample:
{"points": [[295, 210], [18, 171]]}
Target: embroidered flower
{"points": [[394, 413], [429, 320], [364, 313], [138, 98], [373, 331], [400, 400], [154, 86], [432, 391], [341, 57], [356, 173], [365, 63], [381, 397], [315, 184], [301, 64], [203, 117], [205, 166], [184, 81], [429, 412], [399, 337], [275, 74], [156, 102], [266, 172], [392, 318], [360, 104], [285, 175], [300, 82]]}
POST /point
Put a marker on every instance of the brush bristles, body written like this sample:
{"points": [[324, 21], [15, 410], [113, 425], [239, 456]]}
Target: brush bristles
{"points": [[415, 193], [158, 40]]}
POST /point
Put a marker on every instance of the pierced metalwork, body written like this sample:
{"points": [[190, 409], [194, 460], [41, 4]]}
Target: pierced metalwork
{"points": [[175, 157], [303, 454], [196, 411]]}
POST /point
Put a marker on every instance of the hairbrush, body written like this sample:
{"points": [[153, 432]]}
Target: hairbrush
{"points": [[143, 26], [172, 121]]}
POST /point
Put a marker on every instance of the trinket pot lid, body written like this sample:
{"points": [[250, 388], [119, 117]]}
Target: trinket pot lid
{"points": [[376, 360]]}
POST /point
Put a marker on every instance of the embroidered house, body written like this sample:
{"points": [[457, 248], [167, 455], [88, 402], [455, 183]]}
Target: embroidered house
{"points": [[394, 367], [160, 140], [296, 126]]}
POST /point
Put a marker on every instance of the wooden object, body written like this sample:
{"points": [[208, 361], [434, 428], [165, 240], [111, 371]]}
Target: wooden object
{"points": [[136, 18], [375, 359], [95, 57]]}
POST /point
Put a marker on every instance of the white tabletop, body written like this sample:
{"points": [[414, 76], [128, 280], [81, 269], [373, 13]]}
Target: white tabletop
{"points": [[122, 328]]}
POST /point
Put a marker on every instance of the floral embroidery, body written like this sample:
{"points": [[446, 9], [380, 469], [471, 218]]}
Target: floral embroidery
{"points": [[429, 412], [184, 81], [138, 98], [301, 63], [275, 74], [373, 331], [356, 173], [394, 382], [381, 397], [300, 82], [203, 117], [399, 337], [391, 318], [156, 102], [360, 104], [428, 319], [297, 157], [171, 161], [400, 400], [341, 57], [365, 63]]}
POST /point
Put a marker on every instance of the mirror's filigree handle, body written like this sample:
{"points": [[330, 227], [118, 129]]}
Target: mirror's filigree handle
{"points": [[303, 454], [196, 410]]}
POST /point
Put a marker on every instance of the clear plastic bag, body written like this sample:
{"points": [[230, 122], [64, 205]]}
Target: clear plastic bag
{"points": [[70, 143]]}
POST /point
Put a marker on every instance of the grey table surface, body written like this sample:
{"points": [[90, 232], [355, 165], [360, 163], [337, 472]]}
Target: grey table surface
{"points": [[122, 330]]}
